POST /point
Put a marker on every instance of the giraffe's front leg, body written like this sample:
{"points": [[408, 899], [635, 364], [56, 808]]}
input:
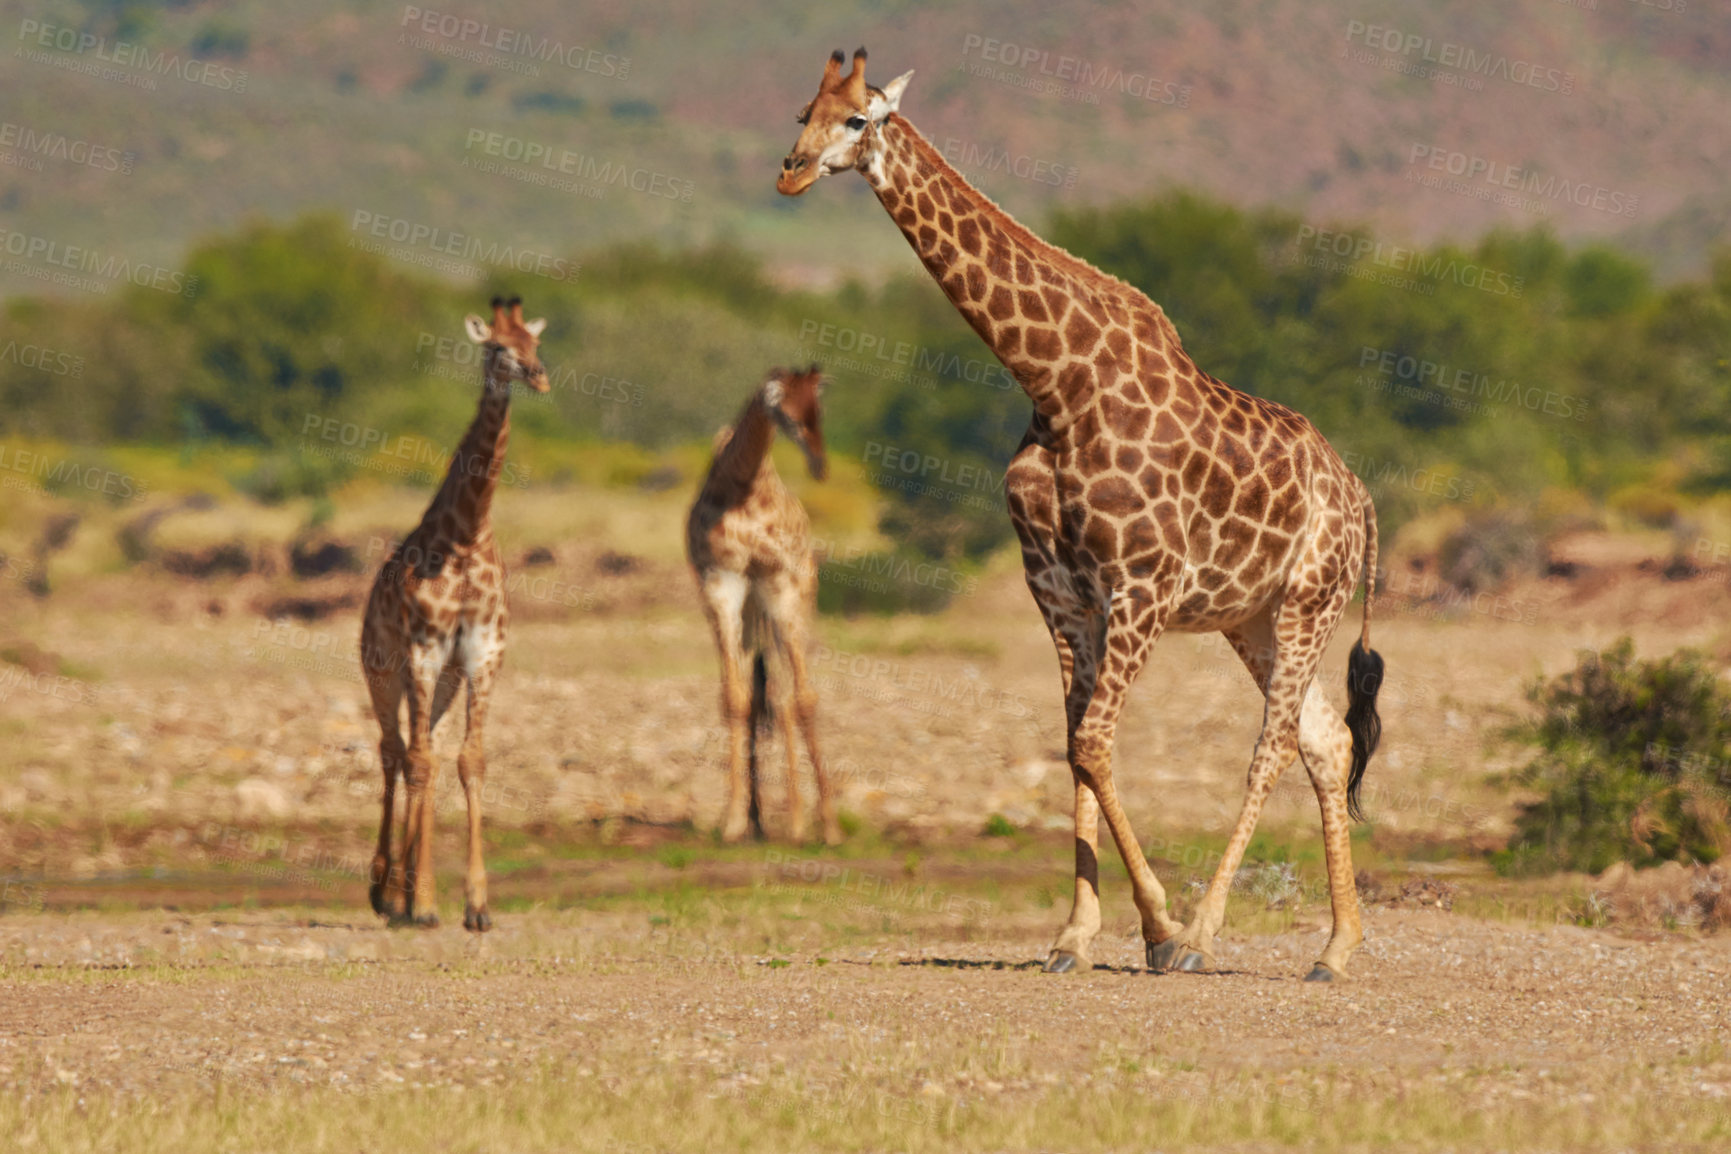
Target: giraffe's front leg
{"points": [[385, 890], [724, 594], [426, 660], [1133, 622], [472, 772], [1070, 951]]}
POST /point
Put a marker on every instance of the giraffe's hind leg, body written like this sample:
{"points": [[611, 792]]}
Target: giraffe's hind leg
{"points": [[1133, 621], [1296, 633], [1070, 951], [1326, 745], [789, 605]]}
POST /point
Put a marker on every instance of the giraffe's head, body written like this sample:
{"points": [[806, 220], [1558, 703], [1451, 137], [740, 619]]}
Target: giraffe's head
{"points": [[841, 125], [792, 399], [508, 345]]}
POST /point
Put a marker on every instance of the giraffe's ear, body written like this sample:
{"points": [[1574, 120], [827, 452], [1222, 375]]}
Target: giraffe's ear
{"points": [[892, 98], [479, 330], [536, 327]]}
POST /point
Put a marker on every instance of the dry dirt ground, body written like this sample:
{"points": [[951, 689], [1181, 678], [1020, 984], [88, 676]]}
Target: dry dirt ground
{"points": [[188, 788], [823, 1017]]}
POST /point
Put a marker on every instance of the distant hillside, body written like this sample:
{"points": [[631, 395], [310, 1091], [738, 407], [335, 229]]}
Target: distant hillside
{"points": [[559, 127]]}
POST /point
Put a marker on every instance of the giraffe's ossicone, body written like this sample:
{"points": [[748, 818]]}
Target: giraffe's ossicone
{"points": [[1147, 496], [435, 621]]}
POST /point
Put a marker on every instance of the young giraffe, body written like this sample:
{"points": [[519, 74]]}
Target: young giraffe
{"points": [[749, 544], [437, 616], [1148, 496]]}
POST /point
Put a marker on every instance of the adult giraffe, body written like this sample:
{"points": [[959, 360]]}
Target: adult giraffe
{"points": [[1148, 496], [436, 617]]}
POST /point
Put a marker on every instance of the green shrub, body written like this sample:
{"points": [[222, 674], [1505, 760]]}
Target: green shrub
{"points": [[283, 475], [902, 581], [1636, 765], [1490, 550]]}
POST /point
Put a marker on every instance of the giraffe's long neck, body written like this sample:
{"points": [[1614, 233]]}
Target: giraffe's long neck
{"points": [[462, 512], [1040, 309], [738, 463]]}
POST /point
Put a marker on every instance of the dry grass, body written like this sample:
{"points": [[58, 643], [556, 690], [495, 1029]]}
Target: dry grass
{"points": [[642, 1109]]}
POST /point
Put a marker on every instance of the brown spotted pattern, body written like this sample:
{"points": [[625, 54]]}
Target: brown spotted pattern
{"points": [[436, 618], [1147, 496], [749, 544]]}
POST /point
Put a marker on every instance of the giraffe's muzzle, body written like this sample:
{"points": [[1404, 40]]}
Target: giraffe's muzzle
{"points": [[798, 173]]}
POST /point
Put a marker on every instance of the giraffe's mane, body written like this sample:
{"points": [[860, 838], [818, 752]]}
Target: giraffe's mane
{"points": [[1036, 246]]}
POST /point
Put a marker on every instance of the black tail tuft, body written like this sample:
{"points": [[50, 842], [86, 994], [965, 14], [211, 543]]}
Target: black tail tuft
{"points": [[757, 721], [1363, 679]]}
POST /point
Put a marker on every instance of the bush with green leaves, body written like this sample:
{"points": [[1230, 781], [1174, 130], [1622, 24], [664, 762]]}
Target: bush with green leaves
{"points": [[1635, 765]]}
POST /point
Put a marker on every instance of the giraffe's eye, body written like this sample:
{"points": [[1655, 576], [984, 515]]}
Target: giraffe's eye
{"points": [[856, 123]]}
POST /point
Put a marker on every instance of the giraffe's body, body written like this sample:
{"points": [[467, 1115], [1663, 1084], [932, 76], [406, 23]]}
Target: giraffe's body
{"points": [[749, 544], [436, 618], [1147, 497]]}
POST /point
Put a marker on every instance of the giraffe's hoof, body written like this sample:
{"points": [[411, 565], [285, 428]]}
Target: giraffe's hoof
{"points": [[832, 835], [1162, 956], [1321, 973], [1195, 962], [382, 903], [1173, 955], [426, 921], [477, 921], [1065, 962]]}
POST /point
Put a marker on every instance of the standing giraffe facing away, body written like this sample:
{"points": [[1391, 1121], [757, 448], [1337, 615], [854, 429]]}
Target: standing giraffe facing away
{"points": [[1148, 496], [437, 617], [749, 544]]}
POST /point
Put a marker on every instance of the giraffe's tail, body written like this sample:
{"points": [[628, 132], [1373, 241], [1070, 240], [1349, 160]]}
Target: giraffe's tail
{"points": [[761, 714], [758, 720], [1363, 678]]}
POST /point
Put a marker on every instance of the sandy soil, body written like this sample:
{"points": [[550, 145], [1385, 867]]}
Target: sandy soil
{"points": [[153, 1003]]}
